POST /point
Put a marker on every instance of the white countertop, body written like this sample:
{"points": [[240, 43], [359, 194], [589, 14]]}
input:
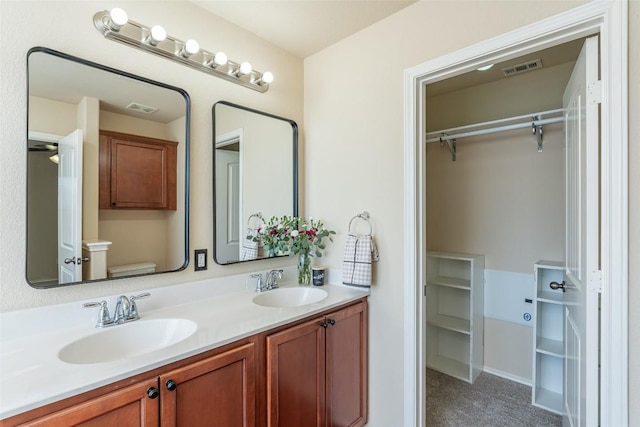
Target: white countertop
{"points": [[32, 375]]}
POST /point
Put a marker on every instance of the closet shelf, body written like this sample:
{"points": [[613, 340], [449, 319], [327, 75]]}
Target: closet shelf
{"points": [[549, 400], [449, 366], [450, 282], [450, 323], [550, 347], [534, 121], [550, 297]]}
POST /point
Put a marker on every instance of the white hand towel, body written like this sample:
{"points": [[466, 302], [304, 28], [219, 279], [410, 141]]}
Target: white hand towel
{"points": [[250, 248], [359, 252]]}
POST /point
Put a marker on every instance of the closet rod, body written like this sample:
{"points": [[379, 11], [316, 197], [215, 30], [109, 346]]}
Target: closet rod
{"points": [[445, 135]]}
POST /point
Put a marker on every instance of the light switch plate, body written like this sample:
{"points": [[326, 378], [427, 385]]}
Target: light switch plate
{"points": [[201, 259]]}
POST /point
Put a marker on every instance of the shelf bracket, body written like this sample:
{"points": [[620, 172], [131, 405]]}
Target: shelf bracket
{"points": [[451, 144], [537, 130]]}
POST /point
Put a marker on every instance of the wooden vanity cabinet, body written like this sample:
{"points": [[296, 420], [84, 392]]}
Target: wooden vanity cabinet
{"points": [[131, 406], [218, 391], [136, 172], [316, 371], [312, 372]]}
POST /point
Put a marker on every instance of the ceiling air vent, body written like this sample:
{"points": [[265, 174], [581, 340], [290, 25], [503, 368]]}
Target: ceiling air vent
{"points": [[522, 68], [141, 108]]}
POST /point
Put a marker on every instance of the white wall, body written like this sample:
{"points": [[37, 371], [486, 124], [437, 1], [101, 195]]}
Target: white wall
{"points": [[634, 212], [354, 149]]}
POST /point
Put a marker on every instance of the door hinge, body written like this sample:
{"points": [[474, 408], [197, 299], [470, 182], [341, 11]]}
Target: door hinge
{"points": [[594, 92], [424, 290], [595, 281]]}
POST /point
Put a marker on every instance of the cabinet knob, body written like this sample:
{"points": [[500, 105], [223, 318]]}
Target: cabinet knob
{"points": [[332, 322], [153, 392], [171, 385], [324, 324], [556, 285]]}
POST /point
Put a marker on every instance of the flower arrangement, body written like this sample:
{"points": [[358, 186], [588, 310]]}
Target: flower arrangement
{"points": [[295, 236], [273, 235]]}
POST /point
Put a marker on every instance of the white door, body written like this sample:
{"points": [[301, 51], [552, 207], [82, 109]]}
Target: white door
{"points": [[227, 205], [70, 208], [582, 275]]}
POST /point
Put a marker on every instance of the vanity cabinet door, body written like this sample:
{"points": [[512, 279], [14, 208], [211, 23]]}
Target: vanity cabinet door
{"points": [[137, 172], [215, 392], [346, 362], [296, 376], [317, 371], [133, 406]]}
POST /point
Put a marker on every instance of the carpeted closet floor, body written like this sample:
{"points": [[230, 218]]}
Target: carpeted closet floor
{"points": [[490, 402]]}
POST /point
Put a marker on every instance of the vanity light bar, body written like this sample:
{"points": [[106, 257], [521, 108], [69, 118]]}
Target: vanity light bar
{"points": [[115, 25]]}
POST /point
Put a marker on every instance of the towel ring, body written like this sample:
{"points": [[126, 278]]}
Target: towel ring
{"points": [[255, 215], [364, 216]]}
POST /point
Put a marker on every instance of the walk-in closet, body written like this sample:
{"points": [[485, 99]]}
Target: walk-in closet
{"points": [[495, 234]]}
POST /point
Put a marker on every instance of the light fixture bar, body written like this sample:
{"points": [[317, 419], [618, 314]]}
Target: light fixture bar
{"points": [[185, 52]]}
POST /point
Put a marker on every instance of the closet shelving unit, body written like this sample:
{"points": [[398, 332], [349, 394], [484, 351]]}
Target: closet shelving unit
{"points": [[548, 345], [455, 314]]}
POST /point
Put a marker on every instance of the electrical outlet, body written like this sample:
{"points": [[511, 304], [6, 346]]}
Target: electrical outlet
{"points": [[201, 259]]}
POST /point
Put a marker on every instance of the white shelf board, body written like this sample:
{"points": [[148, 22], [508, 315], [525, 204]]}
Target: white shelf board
{"points": [[450, 367], [454, 324], [549, 400], [550, 265], [550, 347], [450, 282], [551, 297]]}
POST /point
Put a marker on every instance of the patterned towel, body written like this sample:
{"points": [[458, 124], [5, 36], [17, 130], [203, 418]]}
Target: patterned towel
{"points": [[359, 252], [250, 248]]}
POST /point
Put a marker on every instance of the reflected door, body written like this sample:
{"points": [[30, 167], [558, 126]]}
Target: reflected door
{"points": [[228, 194], [70, 208]]}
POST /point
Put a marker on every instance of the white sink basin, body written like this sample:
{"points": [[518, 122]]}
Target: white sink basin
{"points": [[127, 340], [290, 297]]}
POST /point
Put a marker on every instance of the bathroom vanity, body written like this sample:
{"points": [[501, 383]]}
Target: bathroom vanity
{"points": [[244, 365]]}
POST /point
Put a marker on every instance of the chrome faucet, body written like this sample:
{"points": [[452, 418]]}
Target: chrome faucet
{"points": [[126, 310], [272, 279]]}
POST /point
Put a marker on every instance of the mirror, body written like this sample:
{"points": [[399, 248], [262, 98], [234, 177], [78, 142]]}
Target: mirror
{"points": [[107, 168], [255, 176]]}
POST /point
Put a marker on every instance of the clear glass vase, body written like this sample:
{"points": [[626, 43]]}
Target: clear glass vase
{"points": [[304, 269]]}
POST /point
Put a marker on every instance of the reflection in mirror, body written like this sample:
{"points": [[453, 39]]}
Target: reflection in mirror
{"points": [[255, 177], [107, 164]]}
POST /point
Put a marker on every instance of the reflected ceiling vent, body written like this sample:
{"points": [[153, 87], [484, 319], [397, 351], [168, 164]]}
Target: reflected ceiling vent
{"points": [[522, 68], [141, 108]]}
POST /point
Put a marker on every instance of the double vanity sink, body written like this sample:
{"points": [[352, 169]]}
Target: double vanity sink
{"points": [[147, 336], [56, 352]]}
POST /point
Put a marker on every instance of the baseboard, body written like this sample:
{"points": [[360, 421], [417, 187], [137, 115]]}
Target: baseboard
{"points": [[507, 376]]}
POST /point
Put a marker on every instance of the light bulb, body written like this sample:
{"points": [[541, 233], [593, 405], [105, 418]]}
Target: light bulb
{"points": [[190, 47], [117, 18], [158, 33], [245, 68], [220, 58], [267, 77], [485, 68]]}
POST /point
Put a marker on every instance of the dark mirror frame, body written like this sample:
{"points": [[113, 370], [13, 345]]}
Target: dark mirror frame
{"points": [[185, 95], [294, 130]]}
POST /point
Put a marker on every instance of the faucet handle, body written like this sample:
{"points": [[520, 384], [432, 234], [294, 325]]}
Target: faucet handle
{"points": [[133, 308], [104, 319], [257, 276]]}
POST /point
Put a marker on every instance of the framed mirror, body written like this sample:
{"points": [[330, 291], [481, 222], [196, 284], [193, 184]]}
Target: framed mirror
{"points": [[107, 172], [255, 177]]}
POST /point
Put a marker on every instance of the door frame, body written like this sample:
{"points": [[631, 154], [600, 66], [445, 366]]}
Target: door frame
{"points": [[609, 19]]}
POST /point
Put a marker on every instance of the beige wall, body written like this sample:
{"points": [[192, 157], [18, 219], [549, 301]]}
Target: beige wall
{"points": [[36, 23], [500, 198]]}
